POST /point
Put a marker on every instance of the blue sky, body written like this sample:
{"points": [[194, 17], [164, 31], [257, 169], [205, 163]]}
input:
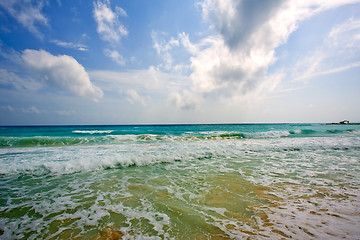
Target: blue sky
{"points": [[205, 61]]}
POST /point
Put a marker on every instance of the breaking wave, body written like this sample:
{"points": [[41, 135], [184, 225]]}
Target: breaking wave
{"points": [[56, 141], [93, 131]]}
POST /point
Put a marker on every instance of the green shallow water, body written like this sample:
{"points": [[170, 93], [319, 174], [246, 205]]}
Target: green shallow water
{"points": [[272, 187]]}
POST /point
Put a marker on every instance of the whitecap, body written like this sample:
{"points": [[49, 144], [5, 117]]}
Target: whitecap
{"points": [[92, 131]]}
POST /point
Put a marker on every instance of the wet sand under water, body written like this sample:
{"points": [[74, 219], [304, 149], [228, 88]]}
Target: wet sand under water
{"points": [[229, 207]]}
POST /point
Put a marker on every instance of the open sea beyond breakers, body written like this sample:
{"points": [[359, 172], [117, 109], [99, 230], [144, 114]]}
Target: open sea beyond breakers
{"points": [[235, 181]]}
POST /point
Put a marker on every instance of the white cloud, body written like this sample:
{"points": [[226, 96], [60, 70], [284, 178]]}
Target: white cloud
{"points": [[63, 72], [115, 56], [120, 11], [108, 25], [163, 48], [186, 100], [233, 63], [7, 108], [330, 71], [134, 97], [152, 83], [10, 54], [78, 46], [350, 25], [22, 84], [190, 47], [240, 55], [236, 60], [65, 112], [27, 13], [339, 52], [152, 80], [319, 64], [346, 35], [31, 110]]}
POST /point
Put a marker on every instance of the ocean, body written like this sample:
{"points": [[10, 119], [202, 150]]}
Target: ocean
{"points": [[227, 181]]}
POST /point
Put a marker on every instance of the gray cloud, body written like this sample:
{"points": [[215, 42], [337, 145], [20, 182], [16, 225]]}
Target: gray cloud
{"points": [[238, 20]]}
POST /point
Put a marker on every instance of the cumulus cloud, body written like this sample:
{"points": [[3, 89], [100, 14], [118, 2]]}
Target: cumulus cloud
{"points": [[27, 13], [236, 60], [190, 47], [240, 22], [239, 56], [62, 72], [108, 25]]}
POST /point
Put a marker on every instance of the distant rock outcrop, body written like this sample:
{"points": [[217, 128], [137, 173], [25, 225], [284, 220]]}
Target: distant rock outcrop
{"points": [[344, 122]]}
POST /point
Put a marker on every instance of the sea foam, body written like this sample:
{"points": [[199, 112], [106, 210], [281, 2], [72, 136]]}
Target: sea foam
{"points": [[231, 182], [93, 131]]}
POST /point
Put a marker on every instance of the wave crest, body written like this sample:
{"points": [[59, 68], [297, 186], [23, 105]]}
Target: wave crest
{"points": [[110, 139], [93, 131]]}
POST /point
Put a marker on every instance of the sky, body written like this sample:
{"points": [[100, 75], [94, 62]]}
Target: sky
{"points": [[168, 61]]}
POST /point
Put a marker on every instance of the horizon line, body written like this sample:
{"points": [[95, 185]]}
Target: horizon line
{"points": [[159, 124]]}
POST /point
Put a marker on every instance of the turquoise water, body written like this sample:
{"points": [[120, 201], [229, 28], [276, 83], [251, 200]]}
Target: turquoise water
{"points": [[256, 181]]}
